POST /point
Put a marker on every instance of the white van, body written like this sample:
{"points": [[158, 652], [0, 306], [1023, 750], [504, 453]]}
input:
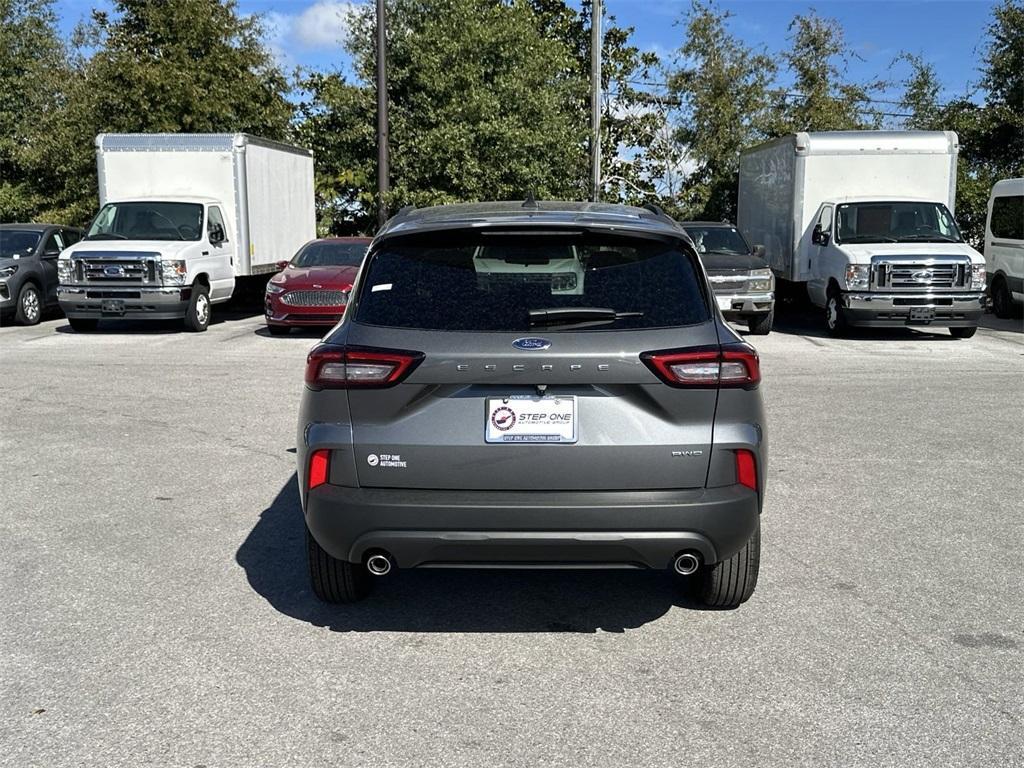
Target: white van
{"points": [[1004, 246]]}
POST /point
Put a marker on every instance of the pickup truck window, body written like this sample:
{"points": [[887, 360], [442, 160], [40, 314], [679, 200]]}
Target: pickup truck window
{"points": [[896, 222], [718, 240], [147, 221]]}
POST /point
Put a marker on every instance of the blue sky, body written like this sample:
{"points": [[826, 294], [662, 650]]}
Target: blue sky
{"points": [[947, 33]]}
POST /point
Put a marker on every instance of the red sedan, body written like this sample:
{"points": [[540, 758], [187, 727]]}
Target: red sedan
{"points": [[313, 288]]}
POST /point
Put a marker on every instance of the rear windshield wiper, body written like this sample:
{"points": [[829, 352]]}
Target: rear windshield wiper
{"points": [[557, 315]]}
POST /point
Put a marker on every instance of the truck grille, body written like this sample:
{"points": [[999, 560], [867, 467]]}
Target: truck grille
{"points": [[314, 298], [116, 269], [728, 283], [916, 276]]}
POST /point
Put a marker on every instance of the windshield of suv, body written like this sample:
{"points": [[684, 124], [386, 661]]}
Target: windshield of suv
{"points": [[18, 242], [898, 222], [488, 281], [147, 221], [718, 240], [330, 255]]}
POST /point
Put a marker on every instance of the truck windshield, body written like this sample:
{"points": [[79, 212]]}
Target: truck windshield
{"points": [[147, 221], [896, 222], [18, 242], [717, 240]]}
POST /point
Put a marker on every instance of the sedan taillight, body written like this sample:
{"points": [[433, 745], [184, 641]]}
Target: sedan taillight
{"points": [[735, 365], [331, 367]]}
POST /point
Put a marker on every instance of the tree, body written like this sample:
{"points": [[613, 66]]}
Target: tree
{"points": [[723, 91], [175, 66], [32, 67], [920, 95], [824, 99]]}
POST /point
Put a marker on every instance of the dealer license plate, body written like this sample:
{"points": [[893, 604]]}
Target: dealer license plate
{"points": [[112, 306], [531, 419]]}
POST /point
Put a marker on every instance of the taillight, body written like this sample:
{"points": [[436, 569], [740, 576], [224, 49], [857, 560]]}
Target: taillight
{"points": [[319, 467], [746, 469], [732, 366], [330, 367]]}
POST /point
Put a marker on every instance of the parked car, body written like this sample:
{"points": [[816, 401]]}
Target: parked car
{"points": [[182, 218], [28, 268], [744, 285], [1004, 246], [313, 288], [536, 385], [862, 221]]}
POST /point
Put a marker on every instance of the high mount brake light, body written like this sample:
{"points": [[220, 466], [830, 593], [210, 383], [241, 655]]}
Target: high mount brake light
{"points": [[734, 366], [330, 367], [746, 469]]}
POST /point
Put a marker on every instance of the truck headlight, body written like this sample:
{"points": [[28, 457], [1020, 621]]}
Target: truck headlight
{"points": [[275, 288], [760, 280], [978, 277], [173, 271], [65, 271], [857, 276], [8, 271]]}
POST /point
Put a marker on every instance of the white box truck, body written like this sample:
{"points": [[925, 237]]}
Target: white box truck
{"points": [[864, 220], [182, 216], [1004, 246]]}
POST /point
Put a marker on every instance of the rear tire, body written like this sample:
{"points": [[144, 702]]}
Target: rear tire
{"points": [[198, 316], [1002, 300], [731, 582], [30, 305], [278, 330], [333, 580], [761, 325], [83, 324], [963, 333], [835, 315]]}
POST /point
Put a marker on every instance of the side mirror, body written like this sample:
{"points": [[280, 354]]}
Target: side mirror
{"points": [[216, 234], [818, 237], [281, 265], [759, 251], [52, 253]]}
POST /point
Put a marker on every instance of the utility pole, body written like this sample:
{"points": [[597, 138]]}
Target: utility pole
{"points": [[383, 183], [595, 100]]}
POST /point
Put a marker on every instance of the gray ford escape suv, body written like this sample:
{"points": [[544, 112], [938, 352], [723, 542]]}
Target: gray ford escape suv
{"points": [[532, 385]]}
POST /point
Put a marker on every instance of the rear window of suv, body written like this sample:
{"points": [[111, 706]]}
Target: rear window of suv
{"points": [[480, 281]]}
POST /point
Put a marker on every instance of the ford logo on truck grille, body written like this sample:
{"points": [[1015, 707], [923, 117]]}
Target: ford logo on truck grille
{"points": [[113, 271], [923, 276], [531, 342]]}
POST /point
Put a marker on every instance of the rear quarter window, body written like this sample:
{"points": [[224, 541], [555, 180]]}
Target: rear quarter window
{"points": [[489, 282]]}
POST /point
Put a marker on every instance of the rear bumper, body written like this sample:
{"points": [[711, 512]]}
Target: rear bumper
{"points": [[420, 528], [948, 310], [164, 303]]}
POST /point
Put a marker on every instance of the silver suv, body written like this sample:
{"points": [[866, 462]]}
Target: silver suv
{"points": [[524, 385]]}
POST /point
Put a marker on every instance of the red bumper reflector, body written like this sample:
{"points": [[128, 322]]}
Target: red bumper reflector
{"points": [[746, 469], [319, 465]]}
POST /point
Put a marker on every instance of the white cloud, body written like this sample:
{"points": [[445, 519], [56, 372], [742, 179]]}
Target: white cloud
{"points": [[322, 25]]}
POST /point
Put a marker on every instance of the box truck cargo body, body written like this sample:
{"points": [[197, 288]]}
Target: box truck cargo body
{"points": [[864, 220], [181, 217]]}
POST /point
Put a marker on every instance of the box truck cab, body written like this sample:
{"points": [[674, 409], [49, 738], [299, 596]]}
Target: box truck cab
{"points": [[863, 220], [182, 218], [1004, 246]]}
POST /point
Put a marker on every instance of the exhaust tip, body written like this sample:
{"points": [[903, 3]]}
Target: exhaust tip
{"points": [[378, 565], [686, 564]]}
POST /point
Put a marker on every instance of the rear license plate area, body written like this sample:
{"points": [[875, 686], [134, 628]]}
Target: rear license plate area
{"points": [[531, 419]]}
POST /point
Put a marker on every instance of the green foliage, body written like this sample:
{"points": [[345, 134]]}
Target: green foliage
{"points": [[723, 92]]}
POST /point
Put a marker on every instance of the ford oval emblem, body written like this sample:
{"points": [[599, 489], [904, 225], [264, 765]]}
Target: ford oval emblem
{"points": [[531, 342], [113, 271]]}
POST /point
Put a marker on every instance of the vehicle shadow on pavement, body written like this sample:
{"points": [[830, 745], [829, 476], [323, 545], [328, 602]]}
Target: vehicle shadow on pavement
{"points": [[805, 320], [273, 556]]}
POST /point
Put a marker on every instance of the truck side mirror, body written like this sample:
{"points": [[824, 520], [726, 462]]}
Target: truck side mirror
{"points": [[216, 234], [818, 237], [759, 251]]}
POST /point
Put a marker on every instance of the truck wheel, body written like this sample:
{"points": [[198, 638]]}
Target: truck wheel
{"points": [[278, 330], [83, 324], [963, 333], [333, 580], [731, 582], [30, 305], [198, 316], [761, 325], [835, 315], [1002, 301]]}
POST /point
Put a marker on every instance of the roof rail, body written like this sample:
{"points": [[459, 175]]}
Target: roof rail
{"points": [[659, 213]]}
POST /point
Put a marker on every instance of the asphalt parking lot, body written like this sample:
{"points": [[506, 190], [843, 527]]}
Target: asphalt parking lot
{"points": [[155, 607]]}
